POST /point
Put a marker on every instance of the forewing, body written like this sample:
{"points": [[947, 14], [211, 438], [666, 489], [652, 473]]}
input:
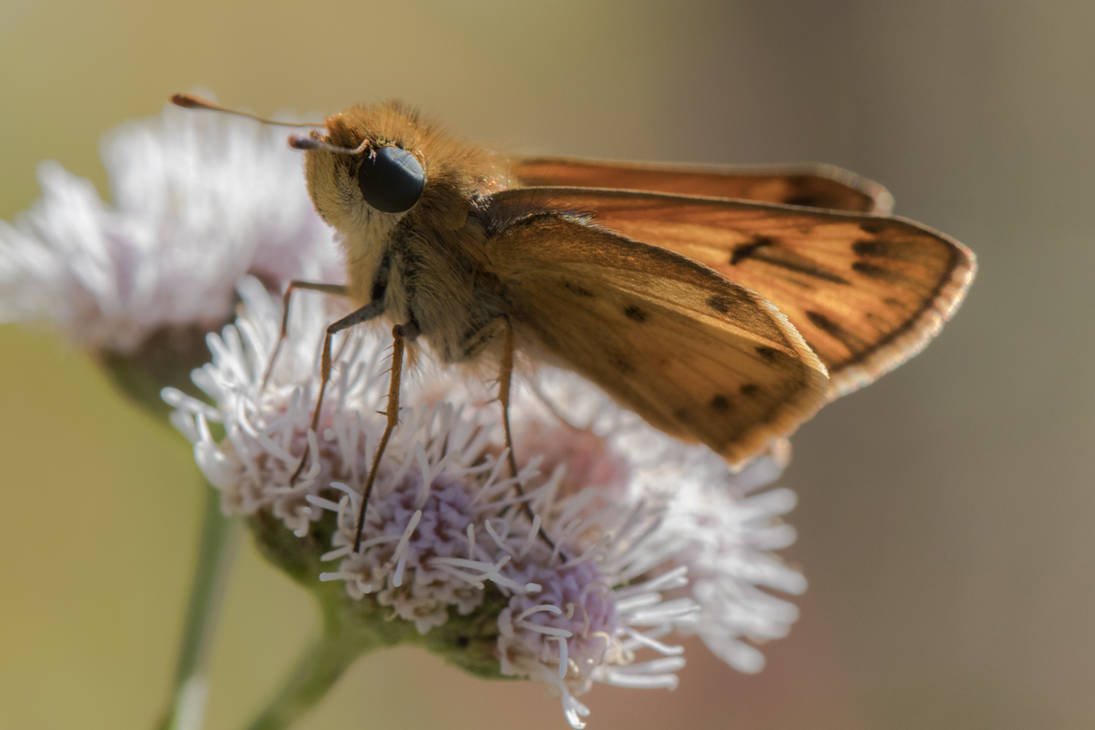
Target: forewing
{"points": [[696, 356], [866, 292], [819, 186]]}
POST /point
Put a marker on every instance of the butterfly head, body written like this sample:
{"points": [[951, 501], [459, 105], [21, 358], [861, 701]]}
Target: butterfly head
{"points": [[370, 164]]}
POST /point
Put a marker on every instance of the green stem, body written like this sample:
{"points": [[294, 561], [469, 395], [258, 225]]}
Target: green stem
{"points": [[216, 549], [316, 670]]}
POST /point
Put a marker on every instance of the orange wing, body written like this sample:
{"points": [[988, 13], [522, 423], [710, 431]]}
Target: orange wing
{"points": [[817, 186], [866, 292], [695, 355]]}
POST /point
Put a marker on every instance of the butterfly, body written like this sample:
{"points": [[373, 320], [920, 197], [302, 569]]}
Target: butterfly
{"points": [[724, 306]]}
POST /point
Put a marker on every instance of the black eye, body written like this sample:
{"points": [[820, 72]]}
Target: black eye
{"points": [[392, 180]]}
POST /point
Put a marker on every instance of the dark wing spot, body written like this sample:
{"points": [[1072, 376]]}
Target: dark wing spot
{"points": [[720, 403], [732, 297], [872, 228], [854, 343], [744, 250], [898, 249], [719, 303], [768, 251], [768, 354], [869, 248], [620, 363], [893, 302], [809, 201], [635, 313], [876, 272], [550, 340], [749, 390], [804, 266], [822, 322], [581, 291]]}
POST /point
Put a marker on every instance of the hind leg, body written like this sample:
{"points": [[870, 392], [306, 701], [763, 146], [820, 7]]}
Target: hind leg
{"points": [[505, 382]]}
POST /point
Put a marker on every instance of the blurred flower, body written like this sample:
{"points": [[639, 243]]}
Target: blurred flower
{"points": [[197, 201], [651, 537]]}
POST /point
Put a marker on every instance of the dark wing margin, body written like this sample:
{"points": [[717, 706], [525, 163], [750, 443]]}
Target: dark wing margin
{"points": [[813, 185]]}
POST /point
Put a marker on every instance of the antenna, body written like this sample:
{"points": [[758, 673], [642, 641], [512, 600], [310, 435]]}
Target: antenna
{"points": [[310, 143], [189, 101]]}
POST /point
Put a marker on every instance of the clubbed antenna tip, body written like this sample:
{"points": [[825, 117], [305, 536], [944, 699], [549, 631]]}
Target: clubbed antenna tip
{"points": [[190, 101]]}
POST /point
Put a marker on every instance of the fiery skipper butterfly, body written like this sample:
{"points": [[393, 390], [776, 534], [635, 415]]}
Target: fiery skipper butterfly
{"points": [[723, 306]]}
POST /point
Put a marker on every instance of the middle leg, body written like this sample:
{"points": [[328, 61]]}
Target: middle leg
{"points": [[400, 333]]}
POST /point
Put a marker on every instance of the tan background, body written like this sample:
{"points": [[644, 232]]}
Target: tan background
{"points": [[946, 511]]}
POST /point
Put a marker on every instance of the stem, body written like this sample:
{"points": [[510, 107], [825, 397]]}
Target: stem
{"points": [[321, 663], [216, 549]]}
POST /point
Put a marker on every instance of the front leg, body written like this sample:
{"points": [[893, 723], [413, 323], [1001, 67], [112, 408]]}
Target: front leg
{"points": [[372, 310], [337, 290]]}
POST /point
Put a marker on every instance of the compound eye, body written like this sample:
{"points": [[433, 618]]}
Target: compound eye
{"points": [[391, 180]]}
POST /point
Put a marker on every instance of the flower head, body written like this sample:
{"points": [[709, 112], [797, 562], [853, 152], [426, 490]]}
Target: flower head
{"points": [[585, 592], [197, 201]]}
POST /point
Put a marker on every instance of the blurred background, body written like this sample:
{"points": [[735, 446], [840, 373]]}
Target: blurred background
{"points": [[946, 511]]}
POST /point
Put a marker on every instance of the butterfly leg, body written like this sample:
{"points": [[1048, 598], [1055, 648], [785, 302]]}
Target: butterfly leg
{"points": [[505, 381], [400, 333], [554, 409], [337, 290], [369, 311]]}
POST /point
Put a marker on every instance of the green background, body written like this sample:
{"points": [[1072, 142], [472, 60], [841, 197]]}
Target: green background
{"points": [[946, 511]]}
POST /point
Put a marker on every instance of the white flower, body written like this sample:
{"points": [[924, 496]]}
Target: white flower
{"points": [[650, 537], [198, 200], [716, 523], [724, 534]]}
